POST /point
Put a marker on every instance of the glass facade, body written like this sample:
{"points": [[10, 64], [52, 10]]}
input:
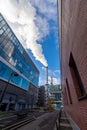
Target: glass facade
{"points": [[8, 74], [57, 96], [13, 52]]}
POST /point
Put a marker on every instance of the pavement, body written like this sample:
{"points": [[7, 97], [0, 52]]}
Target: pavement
{"points": [[44, 122], [64, 122]]}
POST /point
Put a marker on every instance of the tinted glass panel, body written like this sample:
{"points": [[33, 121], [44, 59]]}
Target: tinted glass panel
{"points": [[11, 76]]}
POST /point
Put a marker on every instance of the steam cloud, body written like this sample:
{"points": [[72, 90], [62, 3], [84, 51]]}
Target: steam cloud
{"points": [[21, 16]]}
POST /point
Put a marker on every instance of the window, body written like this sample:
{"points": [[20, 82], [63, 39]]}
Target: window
{"points": [[4, 71], [9, 34], [1, 31], [80, 91], [8, 29], [5, 27], [2, 23], [69, 94]]}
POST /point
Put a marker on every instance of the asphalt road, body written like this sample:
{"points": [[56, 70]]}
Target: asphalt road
{"points": [[44, 122]]}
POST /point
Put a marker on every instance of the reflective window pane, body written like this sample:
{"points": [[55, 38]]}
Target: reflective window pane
{"points": [[1, 31], [4, 71]]}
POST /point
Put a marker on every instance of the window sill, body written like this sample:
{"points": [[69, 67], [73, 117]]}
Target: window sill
{"points": [[83, 97]]}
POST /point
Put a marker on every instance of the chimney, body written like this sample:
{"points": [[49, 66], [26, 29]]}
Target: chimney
{"points": [[51, 80], [47, 75]]}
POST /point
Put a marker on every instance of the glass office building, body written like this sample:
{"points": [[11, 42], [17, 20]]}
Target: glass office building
{"points": [[15, 64]]}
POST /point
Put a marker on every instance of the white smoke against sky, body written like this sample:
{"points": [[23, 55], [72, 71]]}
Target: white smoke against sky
{"points": [[21, 16]]}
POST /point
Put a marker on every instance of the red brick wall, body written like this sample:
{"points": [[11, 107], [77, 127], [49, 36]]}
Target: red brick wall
{"points": [[74, 39]]}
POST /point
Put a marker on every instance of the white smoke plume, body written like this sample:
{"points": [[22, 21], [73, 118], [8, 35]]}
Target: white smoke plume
{"points": [[21, 16]]}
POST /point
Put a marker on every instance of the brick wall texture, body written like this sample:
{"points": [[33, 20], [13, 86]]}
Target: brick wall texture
{"points": [[74, 40]]}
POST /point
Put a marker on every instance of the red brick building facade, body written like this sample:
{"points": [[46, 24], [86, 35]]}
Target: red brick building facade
{"points": [[73, 45]]}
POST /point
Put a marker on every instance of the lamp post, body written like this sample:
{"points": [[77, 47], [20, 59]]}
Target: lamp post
{"points": [[5, 88]]}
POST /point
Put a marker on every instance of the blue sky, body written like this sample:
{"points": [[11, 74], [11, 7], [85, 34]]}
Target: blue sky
{"points": [[35, 24]]}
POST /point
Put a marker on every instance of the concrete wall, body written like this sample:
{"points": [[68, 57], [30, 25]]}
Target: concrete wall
{"points": [[74, 40]]}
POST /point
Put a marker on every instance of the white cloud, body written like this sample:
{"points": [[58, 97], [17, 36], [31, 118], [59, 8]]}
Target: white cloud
{"points": [[46, 11], [55, 80], [56, 72], [52, 1], [21, 16], [46, 7], [43, 26]]}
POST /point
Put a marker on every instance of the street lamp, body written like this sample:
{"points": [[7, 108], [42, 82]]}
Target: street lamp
{"points": [[5, 88]]}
